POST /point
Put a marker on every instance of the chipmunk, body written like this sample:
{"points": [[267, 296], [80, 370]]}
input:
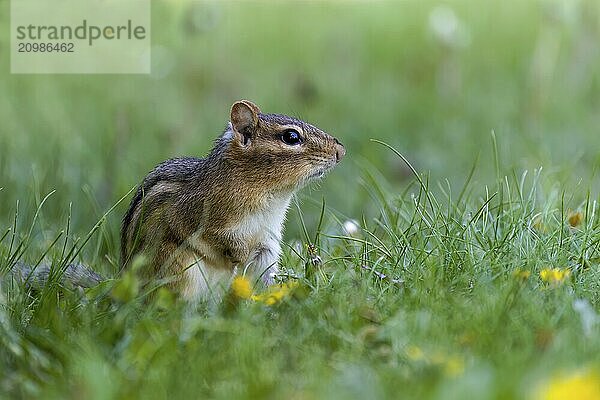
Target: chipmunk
{"points": [[195, 220]]}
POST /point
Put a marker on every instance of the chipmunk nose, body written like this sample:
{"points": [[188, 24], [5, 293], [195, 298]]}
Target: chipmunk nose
{"points": [[340, 151]]}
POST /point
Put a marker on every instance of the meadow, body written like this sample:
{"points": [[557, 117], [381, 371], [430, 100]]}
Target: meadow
{"points": [[454, 253]]}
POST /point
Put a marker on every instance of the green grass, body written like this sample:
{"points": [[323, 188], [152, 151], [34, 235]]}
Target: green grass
{"points": [[431, 274], [421, 302]]}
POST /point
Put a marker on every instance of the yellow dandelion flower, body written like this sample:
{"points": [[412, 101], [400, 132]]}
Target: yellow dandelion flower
{"points": [[575, 218], [454, 366], [241, 287], [451, 365], [521, 275], [415, 353], [580, 385], [554, 275], [274, 294]]}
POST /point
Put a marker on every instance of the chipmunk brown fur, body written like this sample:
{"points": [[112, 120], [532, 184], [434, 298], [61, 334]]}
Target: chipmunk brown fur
{"points": [[197, 219]]}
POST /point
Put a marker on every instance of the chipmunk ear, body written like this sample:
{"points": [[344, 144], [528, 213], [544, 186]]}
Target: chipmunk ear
{"points": [[244, 119]]}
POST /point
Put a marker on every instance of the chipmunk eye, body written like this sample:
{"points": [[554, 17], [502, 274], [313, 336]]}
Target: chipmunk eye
{"points": [[291, 137]]}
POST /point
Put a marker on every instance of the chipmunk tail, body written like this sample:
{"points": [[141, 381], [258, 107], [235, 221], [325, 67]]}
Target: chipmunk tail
{"points": [[72, 276]]}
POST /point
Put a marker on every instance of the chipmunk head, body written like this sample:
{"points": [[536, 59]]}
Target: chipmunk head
{"points": [[279, 151]]}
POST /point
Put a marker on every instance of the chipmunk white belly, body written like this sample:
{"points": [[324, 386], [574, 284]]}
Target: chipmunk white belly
{"points": [[207, 278], [203, 281], [265, 223]]}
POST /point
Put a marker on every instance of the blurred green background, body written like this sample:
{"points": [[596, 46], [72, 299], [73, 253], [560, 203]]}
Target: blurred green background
{"points": [[431, 78]]}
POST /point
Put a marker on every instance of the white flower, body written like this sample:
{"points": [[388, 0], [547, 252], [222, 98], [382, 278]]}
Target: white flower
{"points": [[351, 227], [447, 28]]}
